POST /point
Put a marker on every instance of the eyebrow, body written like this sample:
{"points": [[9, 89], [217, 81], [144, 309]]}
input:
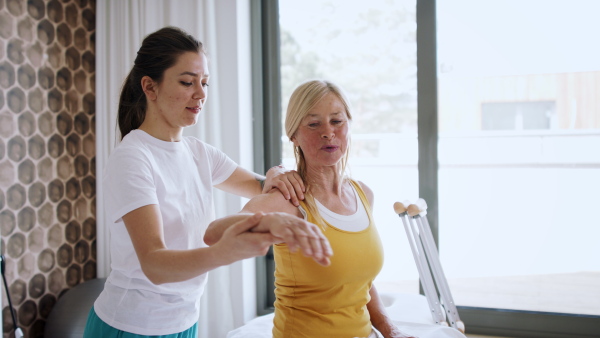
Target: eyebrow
{"points": [[334, 113], [193, 74]]}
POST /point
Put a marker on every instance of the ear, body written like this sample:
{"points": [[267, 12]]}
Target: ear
{"points": [[149, 87]]}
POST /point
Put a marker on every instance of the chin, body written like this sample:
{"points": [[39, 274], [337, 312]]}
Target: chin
{"points": [[190, 122]]}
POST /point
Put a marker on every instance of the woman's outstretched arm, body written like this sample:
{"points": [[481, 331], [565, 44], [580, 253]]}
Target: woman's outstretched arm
{"points": [[282, 220]]}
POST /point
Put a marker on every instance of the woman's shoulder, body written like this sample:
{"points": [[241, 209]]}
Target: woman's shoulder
{"points": [[131, 146], [272, 201], [360, 184], [365, 189]]}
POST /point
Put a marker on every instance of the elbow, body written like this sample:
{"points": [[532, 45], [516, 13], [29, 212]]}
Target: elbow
{"points": [[152, 272], [154, 278]]}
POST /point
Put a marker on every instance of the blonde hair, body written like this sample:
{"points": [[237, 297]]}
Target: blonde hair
{"points": [[304, 98]]}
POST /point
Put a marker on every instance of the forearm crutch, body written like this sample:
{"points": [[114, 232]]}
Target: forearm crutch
{"points": [[420, 260], [421, 233]]}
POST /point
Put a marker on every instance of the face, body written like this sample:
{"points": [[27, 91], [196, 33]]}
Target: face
{"points": [[178, 99], [323, 133]]}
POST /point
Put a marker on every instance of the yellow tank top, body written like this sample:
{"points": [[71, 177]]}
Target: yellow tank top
{"points": [[315, 301]]}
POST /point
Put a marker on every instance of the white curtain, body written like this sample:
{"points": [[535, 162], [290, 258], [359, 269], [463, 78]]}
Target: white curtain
{"points": [[222, 26]]}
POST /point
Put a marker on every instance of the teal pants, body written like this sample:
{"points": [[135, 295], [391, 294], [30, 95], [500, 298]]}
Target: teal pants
{"points": [[97, 328]]}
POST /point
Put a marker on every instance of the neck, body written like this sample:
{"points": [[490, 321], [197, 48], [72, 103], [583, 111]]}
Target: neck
{"points": [[157, 128], [324, 179]]}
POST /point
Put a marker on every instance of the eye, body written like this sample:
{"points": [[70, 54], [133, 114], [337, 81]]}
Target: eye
{"points": [[313, 124], [187, 84], [205, 84], [337, 121]]}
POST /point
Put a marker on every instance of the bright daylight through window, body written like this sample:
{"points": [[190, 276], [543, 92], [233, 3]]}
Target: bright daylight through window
{"points": [[519, 117], [519, 129]]}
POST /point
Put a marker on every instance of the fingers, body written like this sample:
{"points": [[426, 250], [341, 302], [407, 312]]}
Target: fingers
{"points": [[327, 252], [295, 186], [242, 243], [299, 234], [246, 224], [261, 242], [317, 249], [249, 244], [320, 247], [311, 242], [290, 185]]}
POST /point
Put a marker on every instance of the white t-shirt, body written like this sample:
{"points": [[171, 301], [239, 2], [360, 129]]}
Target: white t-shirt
{"points": [[178, 177]]}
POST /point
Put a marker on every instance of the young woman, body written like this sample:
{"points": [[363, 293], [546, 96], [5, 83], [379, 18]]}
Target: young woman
{"points": [[158, 188]]}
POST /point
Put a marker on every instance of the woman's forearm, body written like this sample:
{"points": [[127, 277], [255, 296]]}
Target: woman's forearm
{"points": [[217, 227], [379, 318], [377, 312], [163, 265]]}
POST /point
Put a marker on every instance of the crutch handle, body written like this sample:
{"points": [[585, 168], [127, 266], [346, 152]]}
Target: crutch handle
{"points": [[399, 208], [413, 210]]}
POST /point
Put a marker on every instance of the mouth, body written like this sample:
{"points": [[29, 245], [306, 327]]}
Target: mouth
{"points": [[195, 109], [330, 148]]}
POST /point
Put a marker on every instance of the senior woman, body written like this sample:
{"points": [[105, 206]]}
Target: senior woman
{"points": [[324, 300]]}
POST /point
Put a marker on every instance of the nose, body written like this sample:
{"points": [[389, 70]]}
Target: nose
{"points": [[200, 93], [328, 133]]}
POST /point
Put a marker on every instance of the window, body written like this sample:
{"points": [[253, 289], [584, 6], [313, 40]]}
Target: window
{"points": [[516, 112], [500, 138], [517, 115]]}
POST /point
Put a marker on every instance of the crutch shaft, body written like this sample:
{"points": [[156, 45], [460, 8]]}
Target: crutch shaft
{"points": [[427, 259], [423, 269], [438, 272]]}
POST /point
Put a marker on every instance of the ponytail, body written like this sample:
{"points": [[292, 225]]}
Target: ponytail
{"points": [[132, 105]]}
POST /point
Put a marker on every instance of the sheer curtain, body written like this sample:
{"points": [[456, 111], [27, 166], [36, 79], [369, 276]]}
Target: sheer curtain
{"points": [[222, 26]]}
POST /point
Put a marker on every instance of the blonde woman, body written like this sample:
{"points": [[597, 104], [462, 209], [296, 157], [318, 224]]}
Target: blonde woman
{"points": [[336, 298]]}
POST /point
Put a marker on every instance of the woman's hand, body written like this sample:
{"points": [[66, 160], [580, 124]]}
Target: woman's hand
{"points": [[288, 182], [239, 242], [297, 234], [379, 317], [391, 331]]}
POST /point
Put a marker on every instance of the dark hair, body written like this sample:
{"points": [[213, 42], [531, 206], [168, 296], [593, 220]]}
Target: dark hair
{"points": [[159, 51]]}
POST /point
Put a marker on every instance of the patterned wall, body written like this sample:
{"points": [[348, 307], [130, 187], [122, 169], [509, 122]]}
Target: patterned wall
{"points": [[47, 154]]}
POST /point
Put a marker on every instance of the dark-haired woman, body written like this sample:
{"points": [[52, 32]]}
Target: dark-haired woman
{"points": [[158, 198]]}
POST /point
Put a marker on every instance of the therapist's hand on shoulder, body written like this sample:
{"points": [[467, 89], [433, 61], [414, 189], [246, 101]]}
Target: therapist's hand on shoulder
{"points": [[288, 182]]}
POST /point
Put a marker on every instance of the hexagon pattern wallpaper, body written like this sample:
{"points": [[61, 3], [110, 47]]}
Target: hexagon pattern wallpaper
{"points": [[47, 154]]}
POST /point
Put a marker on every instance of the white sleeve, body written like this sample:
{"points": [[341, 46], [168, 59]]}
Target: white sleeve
{"points": [[222, 166], [128, 183]]}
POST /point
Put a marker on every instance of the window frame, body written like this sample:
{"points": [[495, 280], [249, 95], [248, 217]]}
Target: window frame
{"points": [[266, 107], [267, 135]]}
